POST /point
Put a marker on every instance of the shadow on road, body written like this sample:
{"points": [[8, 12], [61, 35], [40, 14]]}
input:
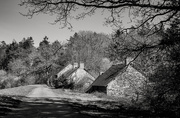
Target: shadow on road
{"points": [[61, 108], [41, 108]]}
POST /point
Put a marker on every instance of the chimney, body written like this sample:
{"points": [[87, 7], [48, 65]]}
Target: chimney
{"points": [[75, 65], [78, 65], [81, 65]]}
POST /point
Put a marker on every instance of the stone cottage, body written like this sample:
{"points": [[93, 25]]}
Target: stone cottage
{"points": [[121, 80], [76, 74]]}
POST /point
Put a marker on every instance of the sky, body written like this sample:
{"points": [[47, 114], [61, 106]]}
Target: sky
{"points": [[14, 26]]}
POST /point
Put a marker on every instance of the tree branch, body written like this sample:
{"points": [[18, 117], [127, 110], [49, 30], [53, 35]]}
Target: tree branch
{"points": [[151, 9]]}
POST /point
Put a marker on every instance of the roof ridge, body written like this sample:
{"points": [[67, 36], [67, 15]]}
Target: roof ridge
{"points": [[107, 76]]}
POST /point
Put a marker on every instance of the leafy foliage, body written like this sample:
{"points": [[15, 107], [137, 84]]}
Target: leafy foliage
{"points": [[166, 76], [31, 64], [88, 47], [157, 57]]}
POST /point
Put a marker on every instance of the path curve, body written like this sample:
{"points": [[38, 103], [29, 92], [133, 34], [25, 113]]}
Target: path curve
{"points": [[42, 92]]}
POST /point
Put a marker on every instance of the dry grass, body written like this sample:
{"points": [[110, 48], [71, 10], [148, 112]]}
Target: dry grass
{"points": [[96, 100], [75, 96]]}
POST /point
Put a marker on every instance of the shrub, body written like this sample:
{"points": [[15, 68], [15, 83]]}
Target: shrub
{"points": [[2, 73], [28, 80], [83, 84], [79, 86], [100, 94], [7, 80], [8, 83]]}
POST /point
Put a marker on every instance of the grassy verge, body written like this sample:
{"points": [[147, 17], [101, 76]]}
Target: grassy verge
{"points": [[109, 107]]}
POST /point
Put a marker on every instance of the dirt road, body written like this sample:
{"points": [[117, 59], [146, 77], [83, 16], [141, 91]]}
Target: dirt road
{"points": [[42, 102], [41, 92]]}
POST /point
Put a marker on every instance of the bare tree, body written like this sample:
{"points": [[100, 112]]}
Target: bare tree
{"points": [[158, 12]]}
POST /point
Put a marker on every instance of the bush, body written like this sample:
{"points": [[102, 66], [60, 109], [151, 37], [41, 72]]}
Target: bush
{"points": [[79, 86], [100, 94], [8, 83], [27, 80], [7, 80], [2, 73], [83, 84]]}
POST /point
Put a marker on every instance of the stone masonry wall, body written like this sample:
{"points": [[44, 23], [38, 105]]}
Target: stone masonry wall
{"points": [[127, 84]]}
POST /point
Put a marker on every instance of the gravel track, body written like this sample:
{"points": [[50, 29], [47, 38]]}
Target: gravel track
{"points": [[42, 92], [18, 91]]}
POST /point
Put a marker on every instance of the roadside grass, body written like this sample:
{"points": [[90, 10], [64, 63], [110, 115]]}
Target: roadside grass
{"points": [[102, 106]]}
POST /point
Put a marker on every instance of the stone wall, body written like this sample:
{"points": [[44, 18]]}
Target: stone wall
{"points": [[127, 84]]}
